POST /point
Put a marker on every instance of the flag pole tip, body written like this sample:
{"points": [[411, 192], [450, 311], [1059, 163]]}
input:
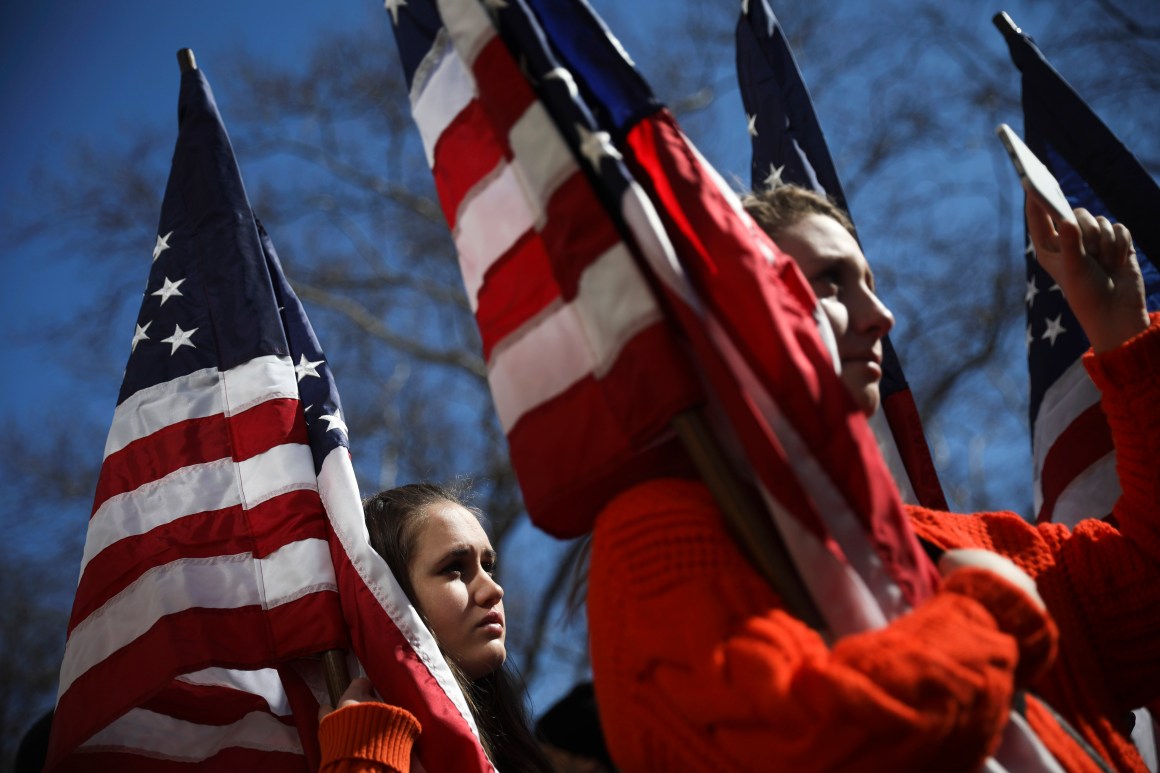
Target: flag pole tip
{"points": [[186, 60], [1006, 24]]}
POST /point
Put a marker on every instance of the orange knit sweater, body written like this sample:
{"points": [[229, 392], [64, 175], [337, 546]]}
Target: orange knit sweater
{"points": [[697, 667], [367, 738]]}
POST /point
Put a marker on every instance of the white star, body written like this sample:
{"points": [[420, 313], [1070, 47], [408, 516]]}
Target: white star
{"points": [[744, 7], [1054, 329], [1032, 291], [139, 335], [162, 245], [306, 368], [393, 7], [595, 146], [773, 179], [169, 289], [1055, 288], [1030, 338], [335, 421], [1029, 250], [753, 125], [179, 339]]}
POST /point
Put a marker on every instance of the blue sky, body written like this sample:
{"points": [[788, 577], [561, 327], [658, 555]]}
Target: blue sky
{"points": [[86, 70]]}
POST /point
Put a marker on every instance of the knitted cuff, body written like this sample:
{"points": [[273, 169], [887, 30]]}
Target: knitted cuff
{"points": [[1015, 614], [370, 731], [1124, 364]]}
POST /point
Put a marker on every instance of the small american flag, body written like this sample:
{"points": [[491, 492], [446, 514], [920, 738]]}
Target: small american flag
{"points": [[588, 231], [1074, 462], [790, 147], [227, 537]]}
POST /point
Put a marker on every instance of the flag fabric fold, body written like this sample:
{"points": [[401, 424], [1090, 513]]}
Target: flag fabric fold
{"points": [[549, 97], [790, 147], [1073, 458], [226, 519]]}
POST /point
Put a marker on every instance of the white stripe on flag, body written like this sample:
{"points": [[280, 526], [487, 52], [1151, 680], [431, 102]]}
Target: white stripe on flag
{"points": [[492, 217], [442, 88], [542, 158], [199, 395], [1091, 494], [163, 737], [571, 341], [220, 582], [263, 682], [889, 448], [199, 488], [468, 25], [1067, 398]]}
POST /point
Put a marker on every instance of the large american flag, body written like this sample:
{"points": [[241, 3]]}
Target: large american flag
{"points": [[790, 147], [227, 542], [1074, 462], [588, 230]]}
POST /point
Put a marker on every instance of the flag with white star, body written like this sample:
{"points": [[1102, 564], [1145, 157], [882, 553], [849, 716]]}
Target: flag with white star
{"points": [[789, 147], [592, 239], [227, 541], [1072, 451]]}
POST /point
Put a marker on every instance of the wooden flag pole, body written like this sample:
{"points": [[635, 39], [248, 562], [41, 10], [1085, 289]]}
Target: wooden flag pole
{"points": [[333, 661], [752, 528]]}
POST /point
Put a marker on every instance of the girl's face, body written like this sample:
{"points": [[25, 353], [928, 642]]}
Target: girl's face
{"points": [[841, 278], [451, 573]]}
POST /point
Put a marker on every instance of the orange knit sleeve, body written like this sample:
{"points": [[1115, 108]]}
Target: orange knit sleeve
{"points": [[698, 668], [367, 738]]}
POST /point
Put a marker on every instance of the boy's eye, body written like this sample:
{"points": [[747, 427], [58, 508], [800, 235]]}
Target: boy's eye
{"points": [[453, 568], [827, 282]]}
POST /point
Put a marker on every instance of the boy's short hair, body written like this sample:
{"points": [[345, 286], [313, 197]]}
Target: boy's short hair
{"points": [[785, 205]]}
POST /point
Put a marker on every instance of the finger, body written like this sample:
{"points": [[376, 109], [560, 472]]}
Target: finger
{"points": [[1089, 228], [1123, 248], [1039, 227], [1107, 250], [323, 710]]}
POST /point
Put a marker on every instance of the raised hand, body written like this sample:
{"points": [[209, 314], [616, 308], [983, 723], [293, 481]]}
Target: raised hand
{"points": [[1094, 263]]}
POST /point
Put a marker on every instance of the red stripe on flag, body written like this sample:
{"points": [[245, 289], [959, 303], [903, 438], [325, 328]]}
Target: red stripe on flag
{"points": [[260, 531], [546, 265], [576, 451], [465, 152], [244, 637], [906, 427], [1085, 441], [503, 90], [205, 704], [198, 441], [578, 232]]}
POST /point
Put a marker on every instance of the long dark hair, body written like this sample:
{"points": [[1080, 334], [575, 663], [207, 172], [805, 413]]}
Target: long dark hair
{"points": [[496, 700]]}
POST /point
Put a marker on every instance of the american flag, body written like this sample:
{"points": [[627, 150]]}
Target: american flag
{"points": [[789, 147], [1074, 462], [588, 229], [227, 539]]}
